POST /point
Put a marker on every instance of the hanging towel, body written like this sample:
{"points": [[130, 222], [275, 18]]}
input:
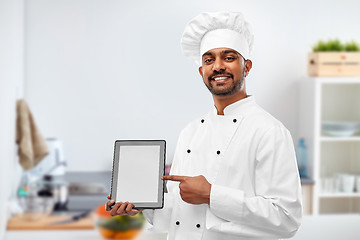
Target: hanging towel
{"points": [[32, 145]]}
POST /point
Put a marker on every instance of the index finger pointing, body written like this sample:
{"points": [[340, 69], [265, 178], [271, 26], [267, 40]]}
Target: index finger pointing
{"points": [[175, 178]]}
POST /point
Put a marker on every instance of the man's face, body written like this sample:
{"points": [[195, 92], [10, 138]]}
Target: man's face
{"points": [[223, 71]]}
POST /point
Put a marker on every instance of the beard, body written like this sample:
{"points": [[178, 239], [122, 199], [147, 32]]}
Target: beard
{"points": [[236, 84]]}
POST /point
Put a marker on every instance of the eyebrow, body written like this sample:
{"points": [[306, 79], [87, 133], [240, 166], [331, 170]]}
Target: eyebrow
{"points": [[207, 54], [222, 52], [230, 51]]}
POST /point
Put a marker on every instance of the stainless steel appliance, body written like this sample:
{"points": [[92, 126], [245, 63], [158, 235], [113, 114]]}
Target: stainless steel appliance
{"points": [[54, 163]]}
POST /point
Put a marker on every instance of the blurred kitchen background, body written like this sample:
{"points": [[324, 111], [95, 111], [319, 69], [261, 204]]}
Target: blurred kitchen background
{"points": [[94, 71]]}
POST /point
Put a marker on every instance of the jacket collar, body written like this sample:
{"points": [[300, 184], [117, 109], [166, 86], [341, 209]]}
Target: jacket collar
{"points": [[238, 107]]}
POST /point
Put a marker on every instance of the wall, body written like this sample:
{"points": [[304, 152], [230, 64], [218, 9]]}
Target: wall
{"points": [[11, 82], [97, 71]]}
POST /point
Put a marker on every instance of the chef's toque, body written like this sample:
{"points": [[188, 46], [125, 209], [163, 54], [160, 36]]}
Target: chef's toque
{"points": [[211, 30]]}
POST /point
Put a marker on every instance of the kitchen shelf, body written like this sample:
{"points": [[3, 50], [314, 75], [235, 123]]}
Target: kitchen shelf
{"points": [[339, 195], [330, 99], [336, 80], [340, 139]]}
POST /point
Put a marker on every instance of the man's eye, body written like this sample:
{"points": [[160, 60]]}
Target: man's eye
{"points": [[229, 58], [208, 60]]}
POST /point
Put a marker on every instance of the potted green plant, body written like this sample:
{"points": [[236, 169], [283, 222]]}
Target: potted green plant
{"points": [[333, 58]]}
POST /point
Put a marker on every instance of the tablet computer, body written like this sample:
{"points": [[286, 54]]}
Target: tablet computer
{"points": [[138, 166]]}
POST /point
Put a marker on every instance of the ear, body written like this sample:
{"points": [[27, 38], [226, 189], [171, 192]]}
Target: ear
{"points": [[200, 71], [248, 66]]}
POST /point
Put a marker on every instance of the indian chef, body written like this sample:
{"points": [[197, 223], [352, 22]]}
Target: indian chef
{"points": [[234, 173]]}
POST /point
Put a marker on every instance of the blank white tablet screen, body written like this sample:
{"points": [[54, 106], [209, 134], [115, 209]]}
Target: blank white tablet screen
{"points": [[138, 176]]}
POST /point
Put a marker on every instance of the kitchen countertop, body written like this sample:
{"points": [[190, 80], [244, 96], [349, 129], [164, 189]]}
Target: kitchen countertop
{"points": [[73, 235], [329, 227], [46, 223]]}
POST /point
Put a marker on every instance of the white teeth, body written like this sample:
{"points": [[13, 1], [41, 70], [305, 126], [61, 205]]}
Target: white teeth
{"points": [[220, 78]]}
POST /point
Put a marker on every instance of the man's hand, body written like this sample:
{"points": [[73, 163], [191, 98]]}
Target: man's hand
{"points": [[194, 190], [121, 208]]}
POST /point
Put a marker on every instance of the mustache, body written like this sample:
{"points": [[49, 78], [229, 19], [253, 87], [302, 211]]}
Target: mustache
{"points": [[222, 73]]}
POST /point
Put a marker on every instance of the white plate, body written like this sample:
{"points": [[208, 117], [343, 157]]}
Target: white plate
{"points": [[341, 133]]}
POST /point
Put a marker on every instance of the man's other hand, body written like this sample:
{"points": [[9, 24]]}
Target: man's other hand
{"points": [[194, 190]]}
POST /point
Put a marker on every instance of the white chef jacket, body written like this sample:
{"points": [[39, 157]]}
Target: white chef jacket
{"points": [[248, 158]]}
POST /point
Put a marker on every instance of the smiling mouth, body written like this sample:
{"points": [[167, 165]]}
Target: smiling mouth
{"points": [[220, 78]]}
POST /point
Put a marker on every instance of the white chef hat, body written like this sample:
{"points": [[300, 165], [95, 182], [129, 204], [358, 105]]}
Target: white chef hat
{"points": [[211, 30]]}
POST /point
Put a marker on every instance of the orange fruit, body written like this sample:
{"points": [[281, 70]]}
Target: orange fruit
{"points": [[129, 234], [101, 211], [106, 233]]}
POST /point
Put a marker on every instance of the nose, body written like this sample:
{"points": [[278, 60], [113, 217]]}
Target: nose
{"points": [[218, 65]]}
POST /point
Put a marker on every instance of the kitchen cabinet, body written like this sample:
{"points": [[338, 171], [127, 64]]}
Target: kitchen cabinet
{"points": [[329, 227], [307, 190], [330, 99]]}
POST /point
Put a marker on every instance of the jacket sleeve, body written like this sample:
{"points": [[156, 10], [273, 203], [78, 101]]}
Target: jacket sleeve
{"points": [[276, 210]]}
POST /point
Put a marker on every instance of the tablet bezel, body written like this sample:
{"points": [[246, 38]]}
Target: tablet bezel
{"points": [[115, 171]]}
